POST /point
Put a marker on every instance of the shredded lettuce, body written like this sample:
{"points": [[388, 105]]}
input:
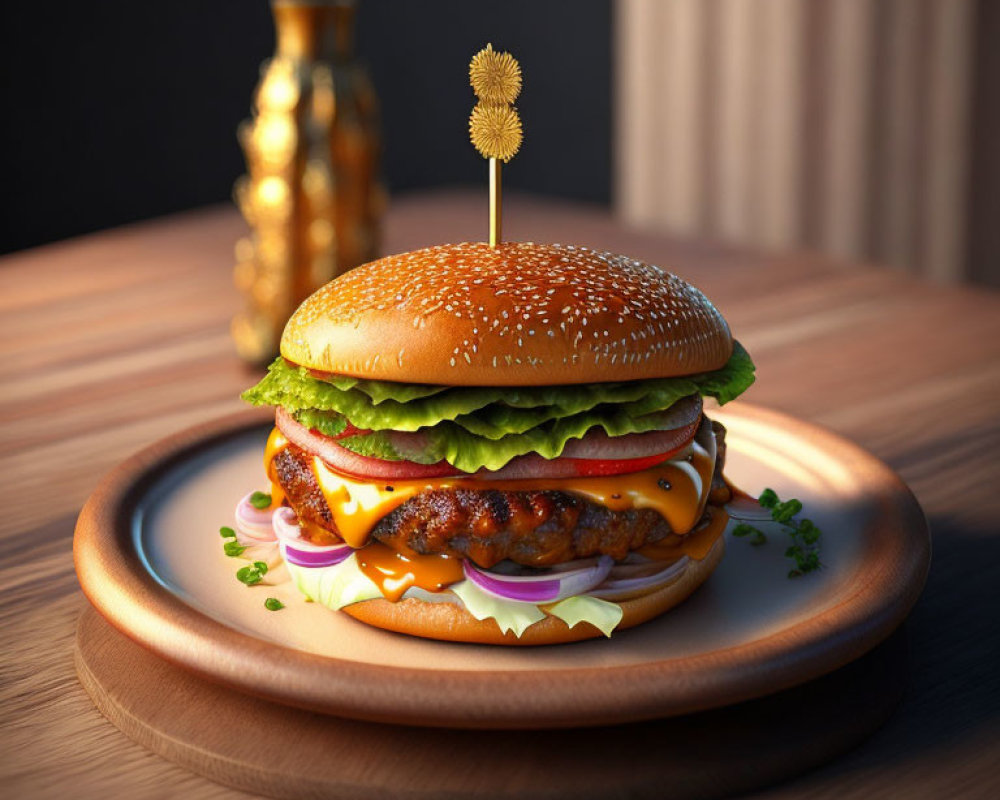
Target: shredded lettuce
{"points": [[336, 586], [603, 615], [510, 615], [345, 583]]}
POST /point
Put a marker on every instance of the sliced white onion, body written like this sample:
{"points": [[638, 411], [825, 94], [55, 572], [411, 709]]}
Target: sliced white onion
{"points": [[548, 588], [624, 588]]}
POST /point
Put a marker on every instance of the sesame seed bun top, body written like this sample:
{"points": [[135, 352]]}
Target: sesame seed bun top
{"points": [[520, 314]]}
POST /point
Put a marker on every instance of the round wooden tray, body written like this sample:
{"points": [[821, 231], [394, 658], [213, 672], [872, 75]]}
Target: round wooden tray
{"points": [[279, 751], [149, 558]]}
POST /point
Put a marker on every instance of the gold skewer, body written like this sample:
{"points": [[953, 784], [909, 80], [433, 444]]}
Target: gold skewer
{"points": [[494, 126], [496, 204]]}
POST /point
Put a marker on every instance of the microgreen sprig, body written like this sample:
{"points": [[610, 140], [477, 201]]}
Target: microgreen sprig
{"points": [[804, 549], [260, 500], [233, 549], [253, 574], [273, 604]]}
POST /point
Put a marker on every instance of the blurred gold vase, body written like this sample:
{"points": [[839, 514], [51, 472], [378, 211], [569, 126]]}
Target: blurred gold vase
{"points": [[311, 193]]}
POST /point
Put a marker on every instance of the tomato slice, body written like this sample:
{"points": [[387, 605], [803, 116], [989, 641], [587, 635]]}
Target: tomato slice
{"points": [[593, 467]]}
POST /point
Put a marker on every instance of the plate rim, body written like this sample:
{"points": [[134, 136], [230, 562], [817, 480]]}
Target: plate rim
{"points": [[877, 598]]}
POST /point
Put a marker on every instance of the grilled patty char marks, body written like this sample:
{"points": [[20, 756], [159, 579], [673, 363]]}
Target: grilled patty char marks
{"points": [[537, 528], [532, 528]]}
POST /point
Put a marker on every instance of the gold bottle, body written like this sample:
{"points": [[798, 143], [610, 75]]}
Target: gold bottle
{"points": [[311, 194]]}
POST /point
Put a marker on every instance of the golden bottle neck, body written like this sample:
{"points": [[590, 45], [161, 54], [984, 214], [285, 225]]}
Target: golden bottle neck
{"points": [[315, 30]]}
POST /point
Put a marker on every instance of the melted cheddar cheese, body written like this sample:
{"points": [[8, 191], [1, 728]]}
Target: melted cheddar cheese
{"points": [[695, 545], [276, 442], [678, 490]]}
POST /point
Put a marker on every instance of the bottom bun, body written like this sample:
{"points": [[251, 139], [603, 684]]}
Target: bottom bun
{"points": [[451, 622]]}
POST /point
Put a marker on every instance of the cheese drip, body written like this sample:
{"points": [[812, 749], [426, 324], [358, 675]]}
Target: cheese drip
{"points": [[695, 545], [677, 490], [276, 442]]}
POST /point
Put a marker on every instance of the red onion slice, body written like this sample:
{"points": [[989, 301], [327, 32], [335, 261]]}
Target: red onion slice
{"points": [[744, 507], [547, 588], [296, 550], [253, 525], [624, 588]]}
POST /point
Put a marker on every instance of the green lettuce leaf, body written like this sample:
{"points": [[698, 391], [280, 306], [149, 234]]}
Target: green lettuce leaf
{"points": [[327, 422], [469, 453], [602, 614], [488, 412], [380, 391]]}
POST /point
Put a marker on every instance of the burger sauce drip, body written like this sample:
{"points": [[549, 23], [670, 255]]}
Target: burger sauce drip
{"points": [[394, 572]]}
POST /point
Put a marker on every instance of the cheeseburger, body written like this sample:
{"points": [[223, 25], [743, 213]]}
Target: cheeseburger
{"points": [[501, 445]]}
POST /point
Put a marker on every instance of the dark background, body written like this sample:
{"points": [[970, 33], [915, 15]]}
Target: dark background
{"points": [[122, 110]]}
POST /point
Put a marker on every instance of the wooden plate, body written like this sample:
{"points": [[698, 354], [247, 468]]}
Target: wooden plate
{"points": [[149, 558]]}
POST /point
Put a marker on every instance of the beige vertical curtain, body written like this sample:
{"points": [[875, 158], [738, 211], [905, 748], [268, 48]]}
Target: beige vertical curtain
{"points": [[837, 125]]}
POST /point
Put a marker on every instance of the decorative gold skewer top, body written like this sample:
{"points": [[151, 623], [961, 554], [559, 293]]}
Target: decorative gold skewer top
{"points": [[494, 125], [495, 131], [495, 77]]}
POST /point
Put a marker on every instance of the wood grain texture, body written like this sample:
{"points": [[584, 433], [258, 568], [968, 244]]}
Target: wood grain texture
{"points": [[128, 329], [289, 753]]}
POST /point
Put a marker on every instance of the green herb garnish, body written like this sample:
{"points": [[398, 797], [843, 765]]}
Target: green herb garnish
{"points": [[250, 575], [226, 532], [757, 536], [273, 604], [233, 548], [804, 549], [260, 500]]}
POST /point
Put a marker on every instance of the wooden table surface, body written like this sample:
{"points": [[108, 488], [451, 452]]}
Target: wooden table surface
{"points": [[113, 340]]}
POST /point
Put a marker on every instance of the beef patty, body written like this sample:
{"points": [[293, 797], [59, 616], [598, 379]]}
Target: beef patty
{"points": [[534, 528]]}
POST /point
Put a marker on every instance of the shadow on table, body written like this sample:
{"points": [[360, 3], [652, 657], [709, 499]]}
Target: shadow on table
{"points": [[953, 675]]}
